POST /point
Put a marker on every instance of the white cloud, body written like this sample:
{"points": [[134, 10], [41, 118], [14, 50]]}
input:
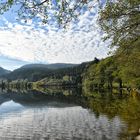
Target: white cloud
{"points": [[81, 42]]}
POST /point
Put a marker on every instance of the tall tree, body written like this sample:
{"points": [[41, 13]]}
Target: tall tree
{"points": [[121, 21]]}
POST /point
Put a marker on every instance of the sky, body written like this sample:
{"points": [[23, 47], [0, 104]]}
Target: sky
{"points": [[33, 42]]}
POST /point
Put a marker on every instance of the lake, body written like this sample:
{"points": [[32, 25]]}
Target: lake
{"points": [[68, 114]]}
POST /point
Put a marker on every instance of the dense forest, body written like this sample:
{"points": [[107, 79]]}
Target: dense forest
{"points": [[120, 20], [110, 72], [69, 74]]}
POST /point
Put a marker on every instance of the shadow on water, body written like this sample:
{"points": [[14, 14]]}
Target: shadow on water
{"points": [[105, 115]]}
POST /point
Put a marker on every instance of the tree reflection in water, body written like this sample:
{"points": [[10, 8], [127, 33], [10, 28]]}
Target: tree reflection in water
{"points": [[68, 114]]}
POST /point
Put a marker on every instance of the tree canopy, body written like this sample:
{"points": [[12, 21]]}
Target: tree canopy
{"points": [[121, 21], [59, 11]]}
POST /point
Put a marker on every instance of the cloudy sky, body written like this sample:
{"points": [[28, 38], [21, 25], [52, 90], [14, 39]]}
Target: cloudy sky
{"points": [[34, 42]]}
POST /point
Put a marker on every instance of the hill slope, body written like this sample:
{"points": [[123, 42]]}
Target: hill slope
{"points": [[3, 71], [34, 72], [50, 66]]}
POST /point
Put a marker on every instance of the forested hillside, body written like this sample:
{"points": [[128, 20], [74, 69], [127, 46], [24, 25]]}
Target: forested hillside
{"points": [[35, 72], [3, 71], [50, 66], [120, 20], [115, 71], [70, 75], [120, 70]]}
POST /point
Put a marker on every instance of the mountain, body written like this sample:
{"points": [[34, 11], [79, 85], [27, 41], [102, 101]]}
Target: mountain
{"points": [[50, 66], [34, 72], [3, 71]]}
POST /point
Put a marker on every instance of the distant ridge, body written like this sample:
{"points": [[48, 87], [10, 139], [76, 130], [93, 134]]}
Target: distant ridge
{"points": [[3, 71], [50, 66], [34, 72]]}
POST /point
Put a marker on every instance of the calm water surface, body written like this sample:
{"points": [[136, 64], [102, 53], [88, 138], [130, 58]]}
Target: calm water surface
{"points": [[67, 116]]}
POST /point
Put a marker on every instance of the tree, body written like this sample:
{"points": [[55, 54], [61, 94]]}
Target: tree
{"points": [[60, 11], [121, 21]]}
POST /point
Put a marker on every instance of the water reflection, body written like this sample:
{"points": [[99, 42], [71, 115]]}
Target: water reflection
{"points": [[10, 107], [64, 114]]}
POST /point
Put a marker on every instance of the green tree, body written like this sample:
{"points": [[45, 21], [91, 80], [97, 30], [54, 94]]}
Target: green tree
{"points": [[121, 21], [62, 11]]}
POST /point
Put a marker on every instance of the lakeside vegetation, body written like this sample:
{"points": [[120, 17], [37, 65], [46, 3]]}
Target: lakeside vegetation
{"points": [[97, 74]]}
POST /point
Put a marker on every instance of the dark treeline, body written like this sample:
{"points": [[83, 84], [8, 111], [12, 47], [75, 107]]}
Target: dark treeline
{"points": [[35, 74], [44, 76], [106, 73], [17, 84]]}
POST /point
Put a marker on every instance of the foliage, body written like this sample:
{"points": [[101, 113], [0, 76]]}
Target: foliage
{"points": [[115, 71], [60, 11], [121, 21], [15, 84], [100, 74], [64, 81], [129, 64]]}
